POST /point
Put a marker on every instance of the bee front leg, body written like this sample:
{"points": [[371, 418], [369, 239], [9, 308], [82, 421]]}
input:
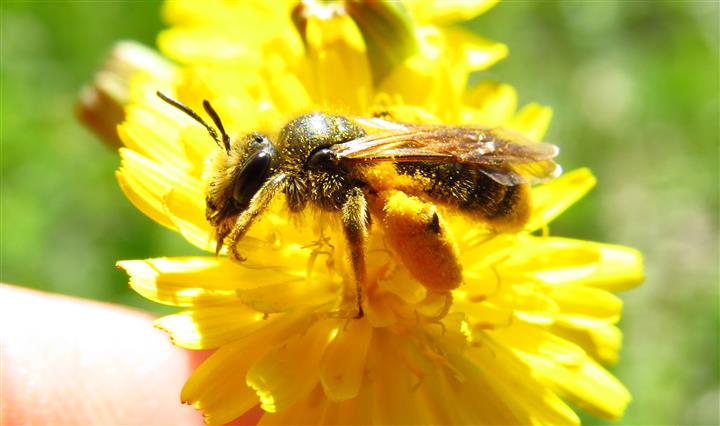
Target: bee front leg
{"points": [[258, 204], [355, 220]]}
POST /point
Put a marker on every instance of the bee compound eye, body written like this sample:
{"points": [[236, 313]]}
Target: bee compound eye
{"points": [[322, 158], [252, 176]]}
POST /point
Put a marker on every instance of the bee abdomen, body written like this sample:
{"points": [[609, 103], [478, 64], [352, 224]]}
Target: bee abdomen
{"points": [[506, 208], [467, 188]]}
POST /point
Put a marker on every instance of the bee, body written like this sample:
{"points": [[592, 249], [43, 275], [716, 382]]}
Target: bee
{"points": [[375, 169]]}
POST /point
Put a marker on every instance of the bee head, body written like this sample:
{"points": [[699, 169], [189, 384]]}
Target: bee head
{"points": [[246, 165]]}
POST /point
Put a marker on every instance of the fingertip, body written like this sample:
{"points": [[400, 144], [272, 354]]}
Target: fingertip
{"points": [[86, 362]]}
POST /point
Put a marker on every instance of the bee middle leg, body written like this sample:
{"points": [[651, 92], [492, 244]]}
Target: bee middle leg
{"points": [[355, 222]]}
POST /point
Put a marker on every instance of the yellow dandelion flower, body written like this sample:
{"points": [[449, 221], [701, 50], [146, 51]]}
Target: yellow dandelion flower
{"points": [[529, 328]]}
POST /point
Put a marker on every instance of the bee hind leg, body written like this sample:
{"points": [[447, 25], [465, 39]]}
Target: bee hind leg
{"points": [[415, 231], [355, 221]]}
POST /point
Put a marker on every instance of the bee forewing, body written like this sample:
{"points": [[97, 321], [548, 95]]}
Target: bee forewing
{"points": [[504, 155], [375, 143], [530, 173], [519, 153]]}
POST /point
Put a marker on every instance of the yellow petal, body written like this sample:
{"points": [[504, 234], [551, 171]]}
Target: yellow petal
{"points": [[239, 95], [491, 409], [342, 365], [188, 216], [239, 31], [445, 12], [552, 199], [287, 373], [197, 147], [457, 53], [530, 305], [439, 96], [606, 341], [484, 315], [489, 104], [310, 409], [580, 301], [154, 135], [514, 382], [535, 340], [289, 94], [218, 386], [379, 311], [144, 183], [390, 383], [401, 284], [551, 259], [280, 297], [339, 69], [196, 280], [480, 250], [533, 121], [620, 268], [407, 77], [220, 390], [436, 402], [598, 338], [604, 266], [587, 386], [565, 367], [209, 327], [192, 45], [476, 53]]}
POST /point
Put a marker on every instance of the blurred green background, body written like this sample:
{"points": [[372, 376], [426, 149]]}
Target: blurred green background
{"points": [[634, 87]]}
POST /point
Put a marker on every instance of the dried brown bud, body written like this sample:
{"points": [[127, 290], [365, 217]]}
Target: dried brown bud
{"points": [[101, 104]]}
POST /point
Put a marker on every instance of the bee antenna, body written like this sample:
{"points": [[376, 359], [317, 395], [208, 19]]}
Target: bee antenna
{"points": [[186, 109], [216, 119]]}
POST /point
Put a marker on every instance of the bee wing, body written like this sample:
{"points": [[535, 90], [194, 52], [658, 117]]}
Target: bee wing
{"points": [[504, 155]]}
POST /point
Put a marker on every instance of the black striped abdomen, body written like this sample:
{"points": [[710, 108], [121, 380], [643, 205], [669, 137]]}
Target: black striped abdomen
{"points": [[467, 188]]}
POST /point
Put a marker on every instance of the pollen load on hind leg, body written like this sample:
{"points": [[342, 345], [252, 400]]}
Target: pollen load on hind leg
{"points": [[416, 232]]}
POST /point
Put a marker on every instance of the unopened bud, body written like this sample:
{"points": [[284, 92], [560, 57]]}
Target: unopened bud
{"points": [[386, 28]]}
